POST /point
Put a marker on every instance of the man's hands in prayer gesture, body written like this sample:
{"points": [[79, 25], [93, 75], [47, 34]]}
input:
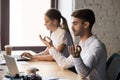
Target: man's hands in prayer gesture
{"points": [[74, 50]]}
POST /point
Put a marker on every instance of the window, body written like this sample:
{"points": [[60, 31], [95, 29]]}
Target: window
{"points": [[27, 22], [16, 22]]}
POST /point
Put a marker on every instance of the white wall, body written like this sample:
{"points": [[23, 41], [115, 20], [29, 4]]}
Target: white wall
{"points": [[66, 7]]}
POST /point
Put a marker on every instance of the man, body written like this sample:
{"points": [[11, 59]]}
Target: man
{"points": [[89, 56]]}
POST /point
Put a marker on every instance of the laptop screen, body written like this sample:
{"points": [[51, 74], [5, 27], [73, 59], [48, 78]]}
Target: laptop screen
{"points": [[11, 64]]}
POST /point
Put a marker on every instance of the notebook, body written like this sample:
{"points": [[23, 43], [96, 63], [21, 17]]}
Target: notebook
{"points": [[11, 64]]}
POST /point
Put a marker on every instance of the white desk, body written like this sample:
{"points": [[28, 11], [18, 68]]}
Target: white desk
{"points": [[46, 69]]}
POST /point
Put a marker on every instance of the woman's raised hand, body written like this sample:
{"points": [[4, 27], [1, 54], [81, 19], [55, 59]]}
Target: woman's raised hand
{"points": [[47, 41]]}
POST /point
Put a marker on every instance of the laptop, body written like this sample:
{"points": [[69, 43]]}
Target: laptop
{"points": [[13, 69], [11, 64]]}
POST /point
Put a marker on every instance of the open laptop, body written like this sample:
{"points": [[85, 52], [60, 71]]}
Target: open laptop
{"points": [[11, 64], [13, 68]]}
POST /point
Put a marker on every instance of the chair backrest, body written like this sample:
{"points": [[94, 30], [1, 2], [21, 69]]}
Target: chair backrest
{"points": [[113, 67]]}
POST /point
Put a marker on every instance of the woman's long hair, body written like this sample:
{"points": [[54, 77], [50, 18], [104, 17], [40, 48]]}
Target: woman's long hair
{"points": [[55, 14]]}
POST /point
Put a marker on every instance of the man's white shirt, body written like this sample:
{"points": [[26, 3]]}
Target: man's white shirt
{"points": [[92, 61]]}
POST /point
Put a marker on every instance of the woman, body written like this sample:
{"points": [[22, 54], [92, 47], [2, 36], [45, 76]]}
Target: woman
{"points": [[59, 35]]}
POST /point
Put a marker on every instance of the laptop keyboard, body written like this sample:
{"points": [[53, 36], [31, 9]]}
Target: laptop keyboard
{"points": [[19, 58]]}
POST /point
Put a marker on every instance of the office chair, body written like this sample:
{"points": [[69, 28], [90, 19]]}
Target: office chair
{"points": [[113, 67]]}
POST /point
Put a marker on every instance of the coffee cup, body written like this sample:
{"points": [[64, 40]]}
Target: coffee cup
{"points": [[32, 71], [8, 49]]}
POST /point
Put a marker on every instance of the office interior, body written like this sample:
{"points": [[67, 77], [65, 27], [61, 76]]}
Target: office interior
{"points": [[107, 25]]}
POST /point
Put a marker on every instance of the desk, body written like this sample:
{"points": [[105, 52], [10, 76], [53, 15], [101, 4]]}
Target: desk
{"points": [[46, 69]]}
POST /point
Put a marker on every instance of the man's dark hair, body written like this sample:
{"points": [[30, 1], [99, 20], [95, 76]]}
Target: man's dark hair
{"points": [[85, 15]]}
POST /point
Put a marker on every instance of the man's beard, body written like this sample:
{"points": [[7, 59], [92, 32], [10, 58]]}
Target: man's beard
{"points": [[80, 33]]}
